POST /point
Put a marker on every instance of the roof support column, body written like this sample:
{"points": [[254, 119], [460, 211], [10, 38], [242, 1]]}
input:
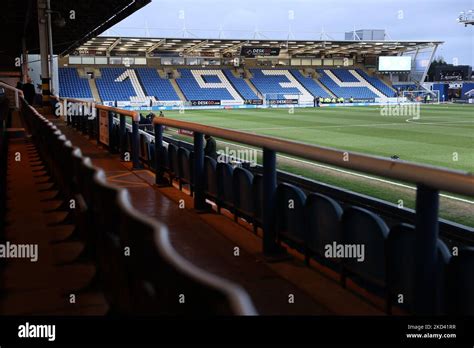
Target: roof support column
{"points": [[43, 40], [24, 61], [50, 45]]}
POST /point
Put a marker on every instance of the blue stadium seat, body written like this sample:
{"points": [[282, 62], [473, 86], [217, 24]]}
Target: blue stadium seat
{"points": [[257, 192], [192, 91], [185, 168], [71, 85], [268, 84], [460, 283], [377, 83], [323, 223], [109, 90], [361, 227], [345, 92], [210, 185], [151, 152], [173, 161], [111, 273], [344, 75], [240, 85], [155, 86], [243, 197], [224, 186], [289, 205], [311, 85], [401, 265]]}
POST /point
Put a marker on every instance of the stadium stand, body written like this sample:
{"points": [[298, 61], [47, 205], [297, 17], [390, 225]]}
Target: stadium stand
{"points": [[280, 83], [198, 84], [110, 89], [71, 85], [377, 83], [344, 75], [311, 85], [216, 84], [240, 85], [155, 86], [354, 88]]}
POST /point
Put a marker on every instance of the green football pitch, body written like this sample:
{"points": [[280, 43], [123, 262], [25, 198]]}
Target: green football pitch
{"points": [[442, 135]]}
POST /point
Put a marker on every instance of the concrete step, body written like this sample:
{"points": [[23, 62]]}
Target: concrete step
{"points": [[94, 90], [178, 90], [328, 91]]}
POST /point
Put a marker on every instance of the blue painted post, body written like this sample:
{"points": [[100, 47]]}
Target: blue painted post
{"points": [[135, 146], [66, 111], [110, 115], [122, 136], [80, 118], [74, 116], [160, 180], [426, 221], [270, 247], [198, 165], [83, 119], [97, 125]]}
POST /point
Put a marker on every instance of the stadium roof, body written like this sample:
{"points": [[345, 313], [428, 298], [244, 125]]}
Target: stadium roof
{"points": [[19, 19], [217, 47]]}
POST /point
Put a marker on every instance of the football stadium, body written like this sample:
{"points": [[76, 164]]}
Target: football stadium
{"points": [[174, 175]]}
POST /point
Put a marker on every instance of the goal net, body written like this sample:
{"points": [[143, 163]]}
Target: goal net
{"points": [[422, 96]]}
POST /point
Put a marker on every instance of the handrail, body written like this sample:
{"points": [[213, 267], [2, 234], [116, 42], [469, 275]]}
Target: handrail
{"points": [[7, 86], [439, 178], [18, 93], [133, 114]]}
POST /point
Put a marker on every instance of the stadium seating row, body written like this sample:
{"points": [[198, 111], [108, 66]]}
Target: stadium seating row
{"points": [[109, 89], [209, 84], [154, 85], [377, 83], [316, 223], [71, 85], [155, 280], [241, 86], [120, 84], [311, 85], [347, 87]]}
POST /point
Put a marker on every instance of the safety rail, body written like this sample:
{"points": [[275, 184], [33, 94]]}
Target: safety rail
{"points": [[11, 100], [101, 125], [429, 181], [17, 93]]}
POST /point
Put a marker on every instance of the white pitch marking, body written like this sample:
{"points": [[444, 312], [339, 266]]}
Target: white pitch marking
{"points": [[352, 173], [412, 120], [351, 125]]}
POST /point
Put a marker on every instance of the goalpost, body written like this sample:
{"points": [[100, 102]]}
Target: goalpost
{"points": [[422, 96]]}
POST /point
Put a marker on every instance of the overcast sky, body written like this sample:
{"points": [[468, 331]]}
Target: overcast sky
{"points": [[305, 19]]}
